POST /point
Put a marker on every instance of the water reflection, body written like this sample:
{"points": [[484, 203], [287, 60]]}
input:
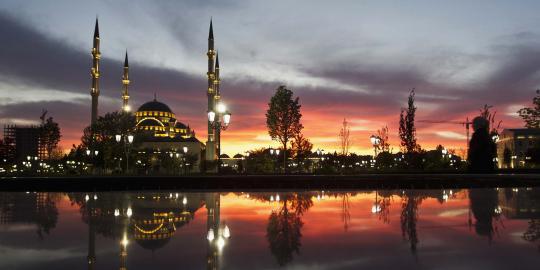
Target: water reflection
{"points": [[285, 224]]}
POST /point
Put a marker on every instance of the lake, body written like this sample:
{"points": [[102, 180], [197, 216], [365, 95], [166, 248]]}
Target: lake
{"points": [[495, 228]]}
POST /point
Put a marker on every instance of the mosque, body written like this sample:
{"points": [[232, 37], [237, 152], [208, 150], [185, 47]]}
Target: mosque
{"points": [[162, 130]]}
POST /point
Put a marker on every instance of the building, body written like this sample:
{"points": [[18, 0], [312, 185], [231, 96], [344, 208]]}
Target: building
{"points": [[24, 142], [163, 132], [517, 141]]}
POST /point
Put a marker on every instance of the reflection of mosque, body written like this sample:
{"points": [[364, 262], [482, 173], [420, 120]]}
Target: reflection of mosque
{"points": [[150, 219]]}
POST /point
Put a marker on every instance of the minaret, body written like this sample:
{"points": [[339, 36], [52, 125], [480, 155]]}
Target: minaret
{"points": [[210, 143], [125, 84], [94, 91], [217, 97]]}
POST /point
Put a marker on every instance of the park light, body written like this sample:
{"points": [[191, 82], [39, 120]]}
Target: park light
{"points": [[28, 157], [271, 151], [96, 152], [210, 236], [226, 232], [184, 201], [185, 149], [171, 154], [88, 152], [211, 116], [495, 137], [227, 118], [118, 138], [220, 243], [129, 212], [116, 212], [221, 108], [124, 241], [375, 140], [177, 155], [130, 138], [444, 151], [277, 152]]}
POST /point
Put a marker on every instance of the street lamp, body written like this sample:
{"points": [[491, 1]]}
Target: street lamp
{"points": [[127, 140], [219, 120], [272, 153], [495, 137], [375, 141]]}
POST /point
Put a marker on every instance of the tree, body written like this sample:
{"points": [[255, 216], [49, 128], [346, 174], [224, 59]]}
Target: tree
{"points": [[531, 115], [50, 135], [101, 136], [344, 137], [301, 147], [407, 130], [490, 117], [384, 145], [283, 118]]}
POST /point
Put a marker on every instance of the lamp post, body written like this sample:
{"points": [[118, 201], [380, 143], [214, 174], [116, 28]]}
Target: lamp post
{"points": [[91, 154], [184, 164], [320, 153], [219, 121], [127, 140], [375, 141], [272, 153]]}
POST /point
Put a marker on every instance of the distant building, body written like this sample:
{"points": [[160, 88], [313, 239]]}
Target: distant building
{"points": [[517, 141], [25, 142]]}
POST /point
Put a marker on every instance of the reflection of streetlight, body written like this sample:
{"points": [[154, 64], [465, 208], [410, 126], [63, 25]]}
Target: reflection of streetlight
{"points": [[210, 235], [376, 208]]}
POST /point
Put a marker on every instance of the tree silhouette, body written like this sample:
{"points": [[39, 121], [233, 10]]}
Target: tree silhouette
{"points": [[407, 130], [284, 227], [531, 116], [409, 218], [283, 118]]}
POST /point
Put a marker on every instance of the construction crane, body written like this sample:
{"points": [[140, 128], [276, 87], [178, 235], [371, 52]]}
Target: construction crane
{"points": [[467, 125]]}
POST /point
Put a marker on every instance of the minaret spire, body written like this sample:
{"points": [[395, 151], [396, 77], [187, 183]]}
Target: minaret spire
{"points": [[125, 84], [211, 94], [94, 91], [211, 31]]}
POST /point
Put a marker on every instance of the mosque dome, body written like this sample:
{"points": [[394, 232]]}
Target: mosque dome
{"points": [[154, 105]]}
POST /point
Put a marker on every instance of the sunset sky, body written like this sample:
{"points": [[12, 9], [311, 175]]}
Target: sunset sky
{"points": [[350, 59]]}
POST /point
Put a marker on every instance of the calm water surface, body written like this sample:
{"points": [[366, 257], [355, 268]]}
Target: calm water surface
{"points": [[405, 229]]}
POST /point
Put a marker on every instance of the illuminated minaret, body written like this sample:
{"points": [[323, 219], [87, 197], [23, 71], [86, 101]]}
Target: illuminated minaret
{"points": [[125, 84], [211, 93], [94, 92], [217, 97]]}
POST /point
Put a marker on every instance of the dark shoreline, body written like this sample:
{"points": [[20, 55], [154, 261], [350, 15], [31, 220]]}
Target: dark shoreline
{"points": [[269, 182]]}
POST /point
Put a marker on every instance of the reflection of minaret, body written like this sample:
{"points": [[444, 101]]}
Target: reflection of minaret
{"points": [[123, 253], [96, 55], [125, 84], [210, 143], [91, 237], [213, 224]]}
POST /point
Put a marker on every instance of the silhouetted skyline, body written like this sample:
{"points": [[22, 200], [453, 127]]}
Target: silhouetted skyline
{"points": [[353, 60]]}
